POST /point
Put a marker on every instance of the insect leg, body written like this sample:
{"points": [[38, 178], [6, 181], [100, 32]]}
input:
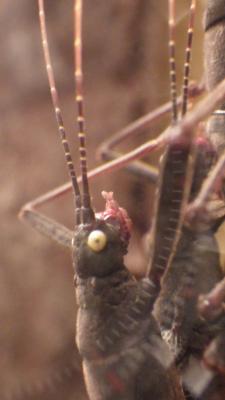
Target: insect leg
{"points": [[182, 130], [212, 304], [56, 231], [105, 150], [195, 254], [176, 170], [46, 226], [202, 270], [211, 307], [209, 186]]}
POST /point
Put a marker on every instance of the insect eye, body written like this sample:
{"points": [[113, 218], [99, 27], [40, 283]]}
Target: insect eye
{"points": [[97, 240]]}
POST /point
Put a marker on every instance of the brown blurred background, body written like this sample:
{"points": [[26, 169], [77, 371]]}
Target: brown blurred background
{"points": [[126, 74]]}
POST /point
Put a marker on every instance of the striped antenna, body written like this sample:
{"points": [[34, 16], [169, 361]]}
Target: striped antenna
{"points": [[58, 113], [173, 79], [88, 214], [188, 58]]}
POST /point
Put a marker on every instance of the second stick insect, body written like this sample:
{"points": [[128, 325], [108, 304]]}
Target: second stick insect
{"points": [[123, 354]]}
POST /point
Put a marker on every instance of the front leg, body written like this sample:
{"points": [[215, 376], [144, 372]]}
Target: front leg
{"points": [[46, 226]]}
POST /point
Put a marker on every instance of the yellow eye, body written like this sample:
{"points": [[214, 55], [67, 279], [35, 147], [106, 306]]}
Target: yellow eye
{"points": [[97, 240]]}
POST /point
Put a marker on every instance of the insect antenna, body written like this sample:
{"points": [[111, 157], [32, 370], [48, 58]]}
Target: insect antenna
{"points": [[172, 62], [83, 210], [87, 212], [57, 109], [188, 58]]}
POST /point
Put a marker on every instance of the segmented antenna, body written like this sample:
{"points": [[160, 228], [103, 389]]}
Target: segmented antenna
{"points": [[188, 58], [58, 113], [172, 62], [88, 214]]}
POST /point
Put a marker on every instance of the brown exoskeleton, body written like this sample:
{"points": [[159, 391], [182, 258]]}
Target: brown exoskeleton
{"points": [[124, 355]]}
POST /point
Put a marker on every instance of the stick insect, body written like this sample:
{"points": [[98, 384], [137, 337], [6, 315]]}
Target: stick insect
{"points": [[181, 323], [124, 355]]}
